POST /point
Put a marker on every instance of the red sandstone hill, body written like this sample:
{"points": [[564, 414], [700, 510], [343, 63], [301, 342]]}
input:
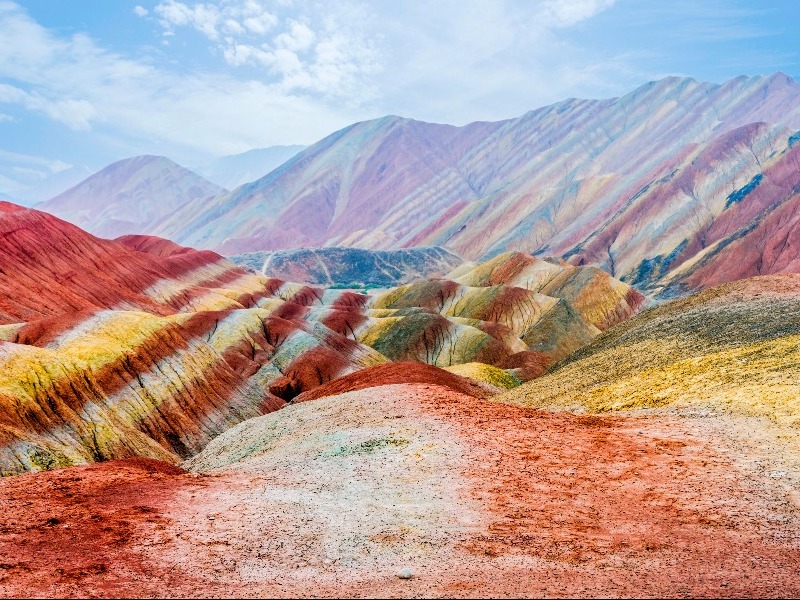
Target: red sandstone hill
{"points": [[399, 372], [151, 244], [50, 267]]}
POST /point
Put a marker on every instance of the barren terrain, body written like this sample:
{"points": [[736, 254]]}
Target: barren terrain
{"points": [[333, 496]]}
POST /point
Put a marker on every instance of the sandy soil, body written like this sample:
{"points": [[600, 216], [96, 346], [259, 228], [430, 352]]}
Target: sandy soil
{"points": [[332, 497]]}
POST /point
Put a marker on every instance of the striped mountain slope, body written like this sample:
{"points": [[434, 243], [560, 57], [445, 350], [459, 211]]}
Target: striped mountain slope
{"points": [[676, 186], [110, 384], [50, 267], [139, 347]]}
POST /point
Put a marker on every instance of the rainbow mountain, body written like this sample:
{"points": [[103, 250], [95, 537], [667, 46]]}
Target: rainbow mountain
{"points": [[666, 187], [140, 347]]}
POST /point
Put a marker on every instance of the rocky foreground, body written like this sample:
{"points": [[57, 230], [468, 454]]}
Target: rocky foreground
{"points": [[336, 495]]}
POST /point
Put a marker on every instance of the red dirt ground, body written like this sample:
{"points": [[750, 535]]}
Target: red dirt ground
{"points": [[647, 505]]}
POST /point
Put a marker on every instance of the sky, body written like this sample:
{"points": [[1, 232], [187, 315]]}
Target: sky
{"points": [[84, 83]]}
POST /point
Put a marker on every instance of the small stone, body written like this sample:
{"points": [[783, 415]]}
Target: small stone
{"points": [[405, 573]]}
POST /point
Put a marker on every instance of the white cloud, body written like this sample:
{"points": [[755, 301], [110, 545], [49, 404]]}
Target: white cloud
{"points": [[74, 81], [297, 39], [140, 11], [320, 53], [29, 173], [75, 114], [4, 118], [260, 24], [564, 13], [22, 163], [456, 61], [56, 166], [234, 18]]}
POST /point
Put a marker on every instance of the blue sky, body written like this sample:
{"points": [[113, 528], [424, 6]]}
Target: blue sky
{"points": [[87, 82]]}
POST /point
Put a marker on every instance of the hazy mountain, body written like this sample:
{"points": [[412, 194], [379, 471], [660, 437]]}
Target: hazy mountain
{"points": [[129, 196], [237, 169]]}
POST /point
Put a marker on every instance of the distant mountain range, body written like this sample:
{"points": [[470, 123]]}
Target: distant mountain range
{"points": [[673, 187], [351, 267]]}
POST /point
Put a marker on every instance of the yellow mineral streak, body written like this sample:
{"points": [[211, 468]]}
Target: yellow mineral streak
{"points": [[9, 332], [486, 374], [105, 336], [222, 298], [371, 332]]}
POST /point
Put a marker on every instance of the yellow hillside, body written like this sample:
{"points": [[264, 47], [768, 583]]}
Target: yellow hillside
{"points": [[735, 349]]}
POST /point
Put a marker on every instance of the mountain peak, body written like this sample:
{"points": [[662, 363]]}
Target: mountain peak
{"points": [[130, 195]]}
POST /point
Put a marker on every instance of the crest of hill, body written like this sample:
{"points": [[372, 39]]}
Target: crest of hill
{"points": [[130, 196], [603, 300], [150, 244], [644, 186], [351, 267], [52, 267], [730, 348], [400, 372]]}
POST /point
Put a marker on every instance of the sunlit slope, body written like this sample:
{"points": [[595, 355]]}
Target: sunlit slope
{"points": [[732, 348]]}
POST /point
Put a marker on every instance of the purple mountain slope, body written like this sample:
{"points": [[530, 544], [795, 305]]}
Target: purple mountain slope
{"points": [[625, 183]]}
